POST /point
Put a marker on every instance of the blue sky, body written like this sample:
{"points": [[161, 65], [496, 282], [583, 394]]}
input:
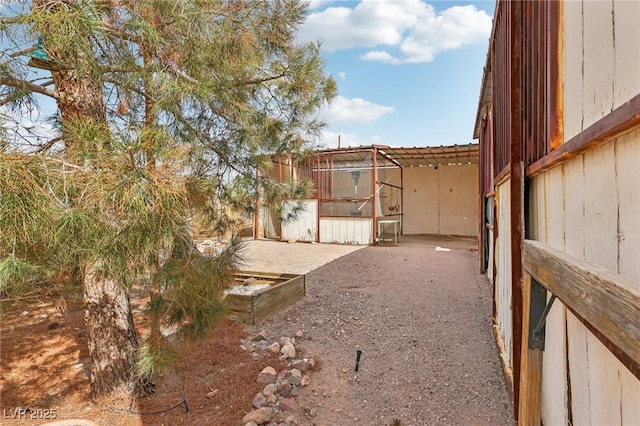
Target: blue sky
{"points": [[408, 71]]}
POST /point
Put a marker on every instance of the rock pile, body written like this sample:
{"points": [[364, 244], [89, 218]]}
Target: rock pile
{"points": [[276, 404]]}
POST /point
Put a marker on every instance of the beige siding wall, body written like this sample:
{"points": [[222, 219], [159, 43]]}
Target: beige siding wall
{"points": [[589, 208], [441, 201], [598, 211], [601, 59]]}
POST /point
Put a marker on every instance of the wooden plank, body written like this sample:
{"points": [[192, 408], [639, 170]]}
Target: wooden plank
{"points": [[277, 298], [577, 350], [572, 63], [601, 247], [531, 367], [599, 61], [626, 15], [253, 308], [554, 404], [627, 153], [601, 208], [554, 397], [621, 120], [578, 360], [627, 156], [604, 384], [503, 273], [608, 301], [573, 184], [630, 410], [536, 225]]}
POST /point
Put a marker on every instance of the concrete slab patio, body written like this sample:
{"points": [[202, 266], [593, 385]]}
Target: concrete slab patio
{"points": [[292, 258]]}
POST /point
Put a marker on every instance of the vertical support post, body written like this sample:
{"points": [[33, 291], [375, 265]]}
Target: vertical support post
{"points": [[481, 198], [516, 183], [555, 95], [374, 179], [319, 191], [401, 200], [531, 374], [256, 213]]}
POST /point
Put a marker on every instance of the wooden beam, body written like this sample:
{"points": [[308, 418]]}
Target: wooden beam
{"points": [[531, 368], [619, 121], [607, 302]]}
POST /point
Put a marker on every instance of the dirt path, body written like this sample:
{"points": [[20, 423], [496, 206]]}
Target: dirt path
{"points": [[422, 319]]}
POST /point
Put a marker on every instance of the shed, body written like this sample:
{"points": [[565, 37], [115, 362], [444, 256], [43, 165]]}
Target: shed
{"points": [[373, 194]]}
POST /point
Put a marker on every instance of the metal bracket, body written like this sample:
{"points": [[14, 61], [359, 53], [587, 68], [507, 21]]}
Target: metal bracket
{"points": [[539, 309]]}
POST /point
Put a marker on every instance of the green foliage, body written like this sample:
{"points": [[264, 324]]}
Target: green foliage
{"points": [[194, 285], [166, 110], [16, 276], [152, 359]]}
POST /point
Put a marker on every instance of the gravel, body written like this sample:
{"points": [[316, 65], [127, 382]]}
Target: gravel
{"points": [[422, 319]]}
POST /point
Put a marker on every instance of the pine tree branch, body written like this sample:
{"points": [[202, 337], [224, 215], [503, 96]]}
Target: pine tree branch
{"points": [[28, 86], [262, 80], [48, 145]]}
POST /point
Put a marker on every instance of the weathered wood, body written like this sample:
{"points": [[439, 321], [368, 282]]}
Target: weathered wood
{"points": [[531, 367], [627, 153], [619, 121], [578, 360], [503, 287], [554, 410], [601, 247], [271, 301], [608, 301], [254, 308]]}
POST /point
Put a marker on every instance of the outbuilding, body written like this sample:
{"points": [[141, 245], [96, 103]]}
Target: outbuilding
{"points": [[374, 194]]}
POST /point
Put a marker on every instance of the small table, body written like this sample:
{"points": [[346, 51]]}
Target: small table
{"points": [[396, 230]]}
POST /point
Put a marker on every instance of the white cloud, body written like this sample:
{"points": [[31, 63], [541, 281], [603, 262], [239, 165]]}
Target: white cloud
{"points": [[330, 140], [377, 55], [315, 4], [353, 111], [411, 29], [342, 75]]}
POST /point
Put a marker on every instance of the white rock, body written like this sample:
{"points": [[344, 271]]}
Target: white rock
{"points": [[288, 350]]}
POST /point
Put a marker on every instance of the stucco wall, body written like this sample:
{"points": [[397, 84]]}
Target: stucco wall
{"points": [[441, 201]]}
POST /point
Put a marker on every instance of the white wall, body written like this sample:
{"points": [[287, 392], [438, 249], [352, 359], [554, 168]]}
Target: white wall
{"points": [[304, 225], [346, 230], [589, 208], [502, 295]]}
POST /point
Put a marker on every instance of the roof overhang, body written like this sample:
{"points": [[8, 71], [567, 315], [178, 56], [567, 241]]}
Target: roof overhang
{"points": [[430, 156], [433, 156]]}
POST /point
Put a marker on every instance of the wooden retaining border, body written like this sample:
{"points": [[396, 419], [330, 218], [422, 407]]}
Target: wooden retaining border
{"points": [[284, 290]]}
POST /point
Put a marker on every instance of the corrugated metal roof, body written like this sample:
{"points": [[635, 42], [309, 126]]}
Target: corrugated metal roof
{"points": [[360, 157], [434, 155]]}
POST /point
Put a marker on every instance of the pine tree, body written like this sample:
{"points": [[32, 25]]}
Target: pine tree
{"points": [[165, 109]]}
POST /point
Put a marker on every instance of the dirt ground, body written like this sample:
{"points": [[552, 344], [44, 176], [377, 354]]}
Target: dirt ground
{"points": [[421, 317]]}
